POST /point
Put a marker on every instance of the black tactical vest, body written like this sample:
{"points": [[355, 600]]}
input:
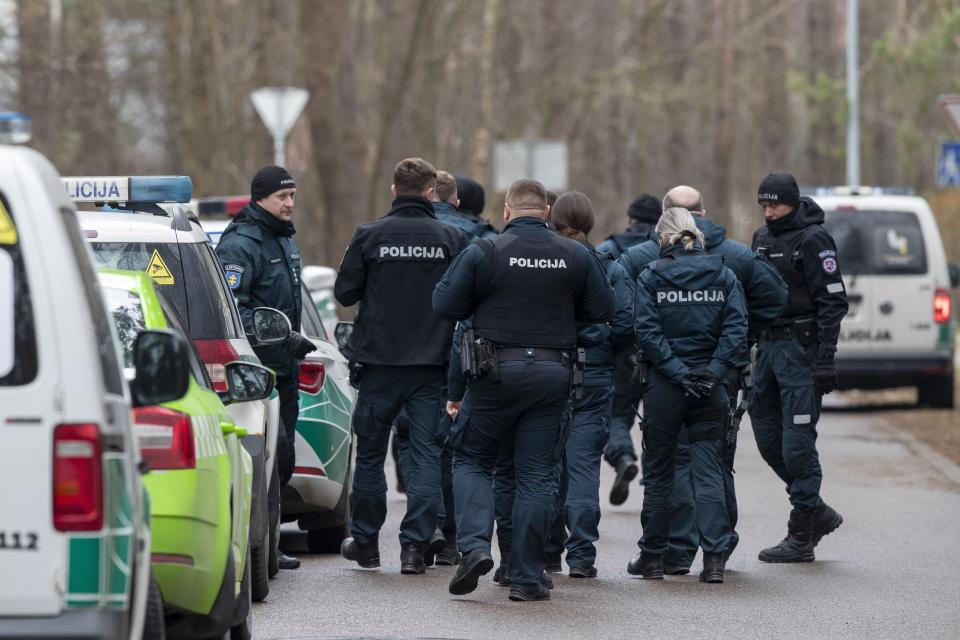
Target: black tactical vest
{"points": [[531, 300], [785, 253]]}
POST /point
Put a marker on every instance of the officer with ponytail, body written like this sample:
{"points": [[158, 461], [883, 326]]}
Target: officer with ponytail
{"points": [[692, 323]]}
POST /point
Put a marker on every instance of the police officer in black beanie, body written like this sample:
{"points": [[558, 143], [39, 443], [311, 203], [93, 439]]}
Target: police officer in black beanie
{"points": [[794, 366], [643, 212], [261, 262]]}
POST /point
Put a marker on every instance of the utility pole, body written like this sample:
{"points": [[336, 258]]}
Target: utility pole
{"points": [[853, 97]]}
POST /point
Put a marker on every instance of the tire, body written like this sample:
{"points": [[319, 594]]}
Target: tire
{"points": [[244, 630], [937, 392], [273, 544], [153, 625], [327, 540], [260, 570]]}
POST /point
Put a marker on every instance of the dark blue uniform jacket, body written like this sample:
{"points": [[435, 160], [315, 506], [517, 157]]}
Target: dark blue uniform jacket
{"points": [[618, 243], [690, 313], [603, 340], [471, 225], [764, 289]]}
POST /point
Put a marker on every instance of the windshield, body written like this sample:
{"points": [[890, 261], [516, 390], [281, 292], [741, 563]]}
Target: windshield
{"points": [[18, 346], [878, 242]]}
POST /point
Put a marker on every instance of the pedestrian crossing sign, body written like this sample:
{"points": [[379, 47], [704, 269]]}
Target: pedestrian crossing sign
{"points": [[157, 269]]}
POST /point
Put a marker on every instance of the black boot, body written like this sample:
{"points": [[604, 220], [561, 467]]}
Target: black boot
{"points": [[825, 520], [287, 562], [449, 555], [411, 559], [648, 565], [712, 572], [529, 593], [501, 578], [798, 545], [627, 470], [433, 547], [366, 555], [552, 563], [474, 564]]}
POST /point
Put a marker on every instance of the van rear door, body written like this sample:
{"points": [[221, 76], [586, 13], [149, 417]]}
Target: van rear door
{"points": [[32, 552], [883, 257]]}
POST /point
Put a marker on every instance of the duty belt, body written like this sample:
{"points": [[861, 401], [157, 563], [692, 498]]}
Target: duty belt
{"points": [[792, 330], [535, 354]]}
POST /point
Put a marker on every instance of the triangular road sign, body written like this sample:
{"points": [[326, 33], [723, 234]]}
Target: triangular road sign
{"points": [[279, 107]]}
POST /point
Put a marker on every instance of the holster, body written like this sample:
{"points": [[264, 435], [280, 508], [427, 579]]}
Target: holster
{"points": [[469, 362], [487, 359], [576, 380]]}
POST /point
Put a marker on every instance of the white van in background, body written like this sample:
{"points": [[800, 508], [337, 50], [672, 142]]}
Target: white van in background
{"points": [[901, 327]]}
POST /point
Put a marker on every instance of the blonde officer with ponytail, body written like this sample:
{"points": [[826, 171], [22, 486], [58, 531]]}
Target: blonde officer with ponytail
{"points": [[692, 324]]}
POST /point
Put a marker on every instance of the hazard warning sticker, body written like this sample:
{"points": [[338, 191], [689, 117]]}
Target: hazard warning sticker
{"points": [[8, 232], [157, 269]]}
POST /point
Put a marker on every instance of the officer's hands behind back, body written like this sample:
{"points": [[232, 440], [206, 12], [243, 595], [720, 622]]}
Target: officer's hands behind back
{"points": [[698, 383], [298, 346]]}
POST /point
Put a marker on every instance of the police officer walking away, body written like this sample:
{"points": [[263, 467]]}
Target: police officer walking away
{"points": [[261, 262], [643, 212], [526, 290], [692, 324], [399, 347], [795, 359]]}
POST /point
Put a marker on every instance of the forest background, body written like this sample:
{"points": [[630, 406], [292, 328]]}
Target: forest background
{"points": [[647, 94]]}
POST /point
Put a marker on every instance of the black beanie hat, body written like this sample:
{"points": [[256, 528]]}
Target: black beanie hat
{"points": [[779, 186], [645, 208], [268, 180], [472, 198]]}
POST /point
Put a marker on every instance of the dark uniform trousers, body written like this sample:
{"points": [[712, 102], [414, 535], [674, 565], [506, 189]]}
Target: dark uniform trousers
{"points": [[448, 523], [666, 411], [289, 392], [684, 534], [784, 414], [525, 408], [384, 392], [623, 415]]}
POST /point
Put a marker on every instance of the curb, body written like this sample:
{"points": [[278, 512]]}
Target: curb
{"points": [[939, 462]]}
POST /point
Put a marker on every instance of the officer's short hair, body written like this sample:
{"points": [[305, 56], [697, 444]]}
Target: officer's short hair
{"points": [[446, 188], [413, 176], [527, 194]]}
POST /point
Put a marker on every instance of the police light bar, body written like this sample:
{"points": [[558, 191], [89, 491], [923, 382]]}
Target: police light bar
{"points": [[129, 189], [218, 207], [846, 190], [15, 128]]}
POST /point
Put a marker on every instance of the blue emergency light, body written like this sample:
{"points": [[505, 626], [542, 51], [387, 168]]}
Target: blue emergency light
{"points": [[15, 128], [863, 190], [129, 189]]}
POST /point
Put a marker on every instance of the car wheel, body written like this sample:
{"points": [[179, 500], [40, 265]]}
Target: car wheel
{"points": [[273, 562], [937, 392], [153, 625], [327, 540], [244, 630]]}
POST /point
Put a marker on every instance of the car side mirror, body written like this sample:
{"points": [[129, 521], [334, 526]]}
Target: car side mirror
{"points": [[342, 333], [162, 365], [954, 272], [247, 382], [270, 326]]}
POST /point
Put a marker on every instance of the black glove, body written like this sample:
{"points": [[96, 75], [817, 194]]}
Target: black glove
{"points": [[298, 346], [698, 383], [825, 372]]}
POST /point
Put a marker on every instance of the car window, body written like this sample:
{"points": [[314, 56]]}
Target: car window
{"points": [[18, 342], [126, 311], [208, 301], [199, 371], [106, 349], [230, 306], [878, 242], [159, 260], [309, 318]]}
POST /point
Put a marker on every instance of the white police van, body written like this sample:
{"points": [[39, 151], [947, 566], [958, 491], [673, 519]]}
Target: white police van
{"points": [[900, 330], [74, 537]]}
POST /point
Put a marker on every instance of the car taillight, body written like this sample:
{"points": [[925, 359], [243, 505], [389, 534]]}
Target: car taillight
{"points": [[941, 306], [165, 437], [215, 354], [77, 478], [312, 375]]}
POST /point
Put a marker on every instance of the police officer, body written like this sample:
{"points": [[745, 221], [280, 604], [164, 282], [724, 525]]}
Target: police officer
{"points": [[765, 294], [261, 262], [643, 213], [471, 202], [399, 346], [795, 359], [692, 324], [589, 424], [526, 291]]}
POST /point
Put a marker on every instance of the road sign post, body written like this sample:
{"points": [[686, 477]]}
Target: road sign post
{"points": [[279, 108]]}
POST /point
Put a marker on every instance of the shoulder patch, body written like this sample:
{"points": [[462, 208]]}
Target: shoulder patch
{"points": [[827, 253], [829, 265], [232, 275], [234, 267]]}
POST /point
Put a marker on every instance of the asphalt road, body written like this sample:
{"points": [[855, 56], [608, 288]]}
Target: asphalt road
{"points": [[891, 570]]}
